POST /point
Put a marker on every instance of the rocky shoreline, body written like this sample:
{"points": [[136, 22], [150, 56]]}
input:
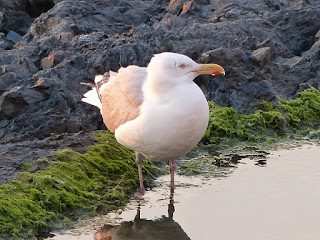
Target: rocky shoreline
{"points": [[269, 48]]}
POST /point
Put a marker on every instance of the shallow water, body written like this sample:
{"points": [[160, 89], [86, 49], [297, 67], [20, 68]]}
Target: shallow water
{"points": [[279, 200]]}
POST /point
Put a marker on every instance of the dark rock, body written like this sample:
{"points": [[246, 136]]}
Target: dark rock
{"points": [[313, 54], [13, 36], [47, 62], [15, 101], [73, 126], [1, 16], [4, 123], [289, 62], [43, 83], [4, 43], [262, 55], [234, 57], [268, 43], [18, 15]]}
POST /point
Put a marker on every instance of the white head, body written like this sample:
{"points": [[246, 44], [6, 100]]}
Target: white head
{"points": [[174, 69]]}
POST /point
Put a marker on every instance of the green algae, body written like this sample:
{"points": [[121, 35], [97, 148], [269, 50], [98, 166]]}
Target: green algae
{"points": [[27, 166], [191, 168], [268, 124], [74, 184]]}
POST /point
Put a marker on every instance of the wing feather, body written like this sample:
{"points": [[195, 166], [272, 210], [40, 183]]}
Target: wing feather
{"points": [[121, 95]]}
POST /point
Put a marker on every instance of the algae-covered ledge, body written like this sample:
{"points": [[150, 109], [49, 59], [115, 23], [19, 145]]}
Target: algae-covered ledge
{"points": [[283, 120], [77, 185], [72, 185]]}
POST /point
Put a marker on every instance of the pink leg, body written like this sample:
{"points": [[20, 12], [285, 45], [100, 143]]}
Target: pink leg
{"points": [[139, 160], [172, 167]]}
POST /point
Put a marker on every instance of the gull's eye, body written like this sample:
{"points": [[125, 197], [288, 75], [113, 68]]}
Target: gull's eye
{"points": [[182, 66]]}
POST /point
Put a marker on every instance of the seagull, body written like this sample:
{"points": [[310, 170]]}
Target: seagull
{"points": [[157, 111]]}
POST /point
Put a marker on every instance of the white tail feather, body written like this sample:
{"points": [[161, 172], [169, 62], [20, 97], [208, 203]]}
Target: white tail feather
{"points": [[92, 98], [98, 78]]}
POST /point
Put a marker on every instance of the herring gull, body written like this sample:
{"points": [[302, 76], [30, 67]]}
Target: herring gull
{"points": [[157, 111]]}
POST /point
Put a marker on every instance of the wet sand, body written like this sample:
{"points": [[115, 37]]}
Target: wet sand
{"points": [[279, 200]]}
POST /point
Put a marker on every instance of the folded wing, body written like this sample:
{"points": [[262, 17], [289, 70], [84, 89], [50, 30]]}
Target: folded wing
{"points": [[121, 95]]}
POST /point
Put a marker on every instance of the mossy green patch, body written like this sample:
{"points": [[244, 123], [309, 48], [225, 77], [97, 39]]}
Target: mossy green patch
{"points": [[191, 168], [268, 124], [98, 181], [26, 166]]}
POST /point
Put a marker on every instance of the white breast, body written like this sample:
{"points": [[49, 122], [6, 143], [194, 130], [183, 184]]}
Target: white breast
{"points": [[167, 130]]}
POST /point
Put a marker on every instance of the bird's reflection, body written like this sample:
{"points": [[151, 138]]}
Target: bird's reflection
{"points": [[164, 228]]}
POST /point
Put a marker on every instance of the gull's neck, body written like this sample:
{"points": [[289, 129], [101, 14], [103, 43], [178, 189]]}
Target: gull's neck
{"points": [[158, 88], [163, 90]]}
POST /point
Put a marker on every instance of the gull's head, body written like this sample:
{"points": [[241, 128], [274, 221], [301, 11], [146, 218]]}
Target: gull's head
{"points": [[176, 68]]}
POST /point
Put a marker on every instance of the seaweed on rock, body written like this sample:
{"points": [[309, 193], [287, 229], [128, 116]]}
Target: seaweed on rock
{"points": [[99, 180], [272, 120]]}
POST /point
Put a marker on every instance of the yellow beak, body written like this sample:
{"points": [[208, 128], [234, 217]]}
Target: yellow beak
{"points": [[213, 69]]}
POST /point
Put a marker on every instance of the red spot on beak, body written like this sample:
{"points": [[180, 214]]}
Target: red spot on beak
{"points": [[215, 73]]}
